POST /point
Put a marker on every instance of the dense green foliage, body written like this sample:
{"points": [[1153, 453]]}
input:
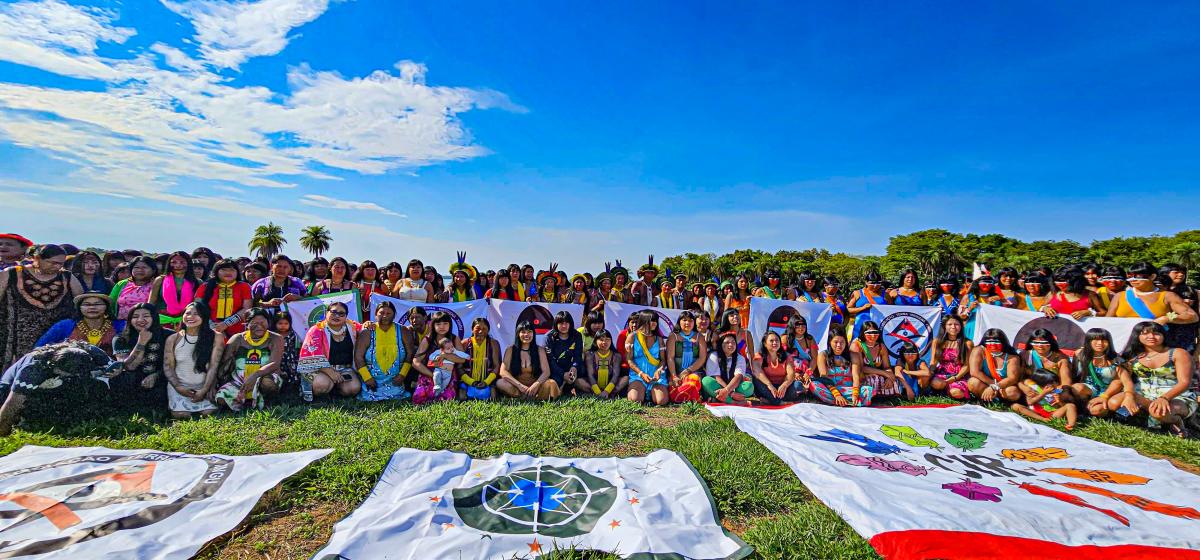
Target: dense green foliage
{"points": [[936, 251]]}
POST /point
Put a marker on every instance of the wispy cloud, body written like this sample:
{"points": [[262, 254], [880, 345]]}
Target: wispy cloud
{"points": [[165, 116], [230, 33], [339, 204]]}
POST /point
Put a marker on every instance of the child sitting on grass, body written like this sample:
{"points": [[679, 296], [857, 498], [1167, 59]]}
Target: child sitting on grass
{"points": [[1045, 398], [443, 373], [912, 372]]}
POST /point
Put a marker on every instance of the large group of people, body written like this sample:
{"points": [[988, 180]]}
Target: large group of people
{"points": [[194, 333]]}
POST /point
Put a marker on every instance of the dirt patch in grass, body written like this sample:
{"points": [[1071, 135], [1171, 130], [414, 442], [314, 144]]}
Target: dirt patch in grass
{"points": [[295, 533]]}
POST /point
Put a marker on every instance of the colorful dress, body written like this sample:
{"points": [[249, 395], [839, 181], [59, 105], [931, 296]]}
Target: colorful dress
{"points": [[948, 368], [883, 386], [127, 294], [385, 360], [1100, 377], [687, 349], [839, 379], [424, 391], [647, 361], [948, 307], [173, 296], [1153, 383], [28, 308], [480, 368], [70, 329], [863, 316], [250, 358], [225, 301]]}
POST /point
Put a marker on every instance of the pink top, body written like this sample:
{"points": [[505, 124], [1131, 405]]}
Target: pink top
{"points": [[131, 295]]}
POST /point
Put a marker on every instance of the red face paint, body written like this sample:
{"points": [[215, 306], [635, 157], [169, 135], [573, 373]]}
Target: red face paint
{"points": [[994, 347], [985, 288], [1062, 286]]}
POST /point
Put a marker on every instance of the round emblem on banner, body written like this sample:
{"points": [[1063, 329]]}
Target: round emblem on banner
{"points": [[317, 314], [905, 326], [554, 501], [57, 511], [539, 317], [778, 319], [1068, 334]]}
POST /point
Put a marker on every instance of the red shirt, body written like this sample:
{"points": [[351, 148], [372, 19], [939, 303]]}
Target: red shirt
{"points": [[1061, 305], [235, 297]]}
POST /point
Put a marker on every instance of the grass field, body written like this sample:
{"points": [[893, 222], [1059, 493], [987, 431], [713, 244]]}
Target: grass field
{"points": [[757, 495]]}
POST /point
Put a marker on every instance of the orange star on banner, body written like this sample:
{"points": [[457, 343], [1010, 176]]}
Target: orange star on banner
{"points": [[435, 499], [447, 526], [633, 501], [615, 523], [535, 546]]}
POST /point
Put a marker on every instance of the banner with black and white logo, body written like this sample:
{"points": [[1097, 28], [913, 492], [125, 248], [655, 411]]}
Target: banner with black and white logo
{"points": [[95, 502], [505, 315], [442, 504], [774, 314], [1018, 325]]}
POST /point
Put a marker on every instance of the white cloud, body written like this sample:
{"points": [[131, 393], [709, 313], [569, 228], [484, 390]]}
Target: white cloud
{"points": [[58, 37], [338, 204], [231, 32]]}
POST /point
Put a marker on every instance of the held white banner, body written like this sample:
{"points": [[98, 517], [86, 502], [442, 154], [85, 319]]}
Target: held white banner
{"points": [[1019, 324], [94, 502], [918, 324], [441, 504], [309, 311], [506, 315], [774, 314], [616, 317], [965, 481], [461, 314]]}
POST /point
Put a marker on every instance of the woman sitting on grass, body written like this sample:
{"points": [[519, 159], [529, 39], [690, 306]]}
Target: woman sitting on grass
{"points": [[727, 380], [1046, 398], [525, 373], [193, 356], [648, 375], [252, 357], [995, 369], [948, 360], [483, 368], [686, 352], [327, 355], [1162, 379], [774, 373], [1102, 378], [379, 357], [912, 372], [602, 365], [838, 381]]}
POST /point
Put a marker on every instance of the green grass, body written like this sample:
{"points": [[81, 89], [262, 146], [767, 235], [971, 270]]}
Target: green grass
{"points": [[757, 496]]}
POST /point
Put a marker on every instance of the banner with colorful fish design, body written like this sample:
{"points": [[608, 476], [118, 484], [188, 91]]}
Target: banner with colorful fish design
{"points": [[442, 504], [967, 482]]}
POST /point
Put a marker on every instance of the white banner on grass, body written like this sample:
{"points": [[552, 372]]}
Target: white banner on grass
{"points": [[441, 504], [616, 317], [1019, 324], [505, 315], [311, 310], [918, 324], [968, 482], [774, 314], [95, 502], [461, 314]]}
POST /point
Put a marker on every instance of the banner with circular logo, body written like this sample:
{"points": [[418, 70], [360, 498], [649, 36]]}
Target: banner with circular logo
{"points": [[918, 324], [97, 502], [442, 504]]}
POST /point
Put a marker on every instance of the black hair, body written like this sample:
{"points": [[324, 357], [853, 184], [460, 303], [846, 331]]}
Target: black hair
{"points": [[602, 333], [49, 251], [202, 351], [830, 280], [974, 289], [1135, 347], [685, 315], [873, 277], [806, 276], [780, 354], [592, 318], [724, 326], [1083, 358], [829, 355], [483, 321], [1114, 270], [509, 290], [438, 285], [1040, 280], [345, 263], [564, 317], [77, 262], [128, 337], [1076, 283], [1042, 334], [385, 303], [341, 303], [514, 365], [906, 272], [998, 335], [146, 261], [909, 348], [258, 312], [310, 270], [1143, 269], [415, 262], [282, 317]]}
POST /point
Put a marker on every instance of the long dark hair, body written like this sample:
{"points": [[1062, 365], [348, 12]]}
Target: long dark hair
{"points": [[565, 317], [998, 335], [1083, 359], [1135, 347], [439, 317], [77, 263], [310, 270], [790, 332], [960, 342], [724, 325], [1042, 334], [514, 365], [829, 355], [602, 333], [202, 352], [189, 273], [128, 337], [780, 354], [508, 290], [726, 363]]}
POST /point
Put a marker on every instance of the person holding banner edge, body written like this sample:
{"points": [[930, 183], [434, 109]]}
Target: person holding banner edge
{"points": [[1142, 299]]}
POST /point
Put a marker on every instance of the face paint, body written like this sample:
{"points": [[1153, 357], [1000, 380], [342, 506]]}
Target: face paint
{"points": [[946, 288], [1062, 286], [985, 288]]}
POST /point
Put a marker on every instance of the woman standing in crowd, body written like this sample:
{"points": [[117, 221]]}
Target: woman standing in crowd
{"points": [[1072, 297], [685, 353], [87, 269], [525, 373], [981, 292], [871, 294], [441, 327], [1174, 280], [1162, 378], [873, 362], [462, 283], [948, 360], [192, 357], [739, 300], [810, 288], [367, 280], [327, 355], [413, 286], [907, 292], [1007, 287], [1146, 301], [317, 270], [482, 369], [252, 358], [380, 354], [434, 280], [947, 296], [579, 293], [142, 347], [136, 289], [838, 381], [1102, 378], [645, 353], [773, 373], [392, 274], [503, 289], [94, 325], [111, 260], [1037, 294], [840, 311], [226, 297], [995, 369], [337, 279], [279, 288], [711, 303], [253, 272], [175, 288], [32, 299], [1112, 282]]}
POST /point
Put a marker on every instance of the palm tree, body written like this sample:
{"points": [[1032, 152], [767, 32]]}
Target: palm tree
{"points": [[1187, 254], [315, 239], [267, 241]]}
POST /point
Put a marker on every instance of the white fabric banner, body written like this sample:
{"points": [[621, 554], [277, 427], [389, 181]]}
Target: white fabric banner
{"points": [[616, 317], [918, 324], [1019, 324], [965, 481], [461, 314], [774, 314], [506, 315], [95, 502], [441, 504], [309, 311]]}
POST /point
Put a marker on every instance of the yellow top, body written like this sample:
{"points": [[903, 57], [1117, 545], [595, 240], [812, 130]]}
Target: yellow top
{"points": [[1158, 306]]}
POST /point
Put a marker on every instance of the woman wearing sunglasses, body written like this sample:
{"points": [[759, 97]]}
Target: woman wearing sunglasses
{"points": [[327, 355]]}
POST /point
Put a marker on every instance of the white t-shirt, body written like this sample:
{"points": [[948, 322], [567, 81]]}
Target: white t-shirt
{"points": [[712, 367]]}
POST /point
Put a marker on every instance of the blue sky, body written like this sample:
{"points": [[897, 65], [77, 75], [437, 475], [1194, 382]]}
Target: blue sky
{"points": [[542, 131]]}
